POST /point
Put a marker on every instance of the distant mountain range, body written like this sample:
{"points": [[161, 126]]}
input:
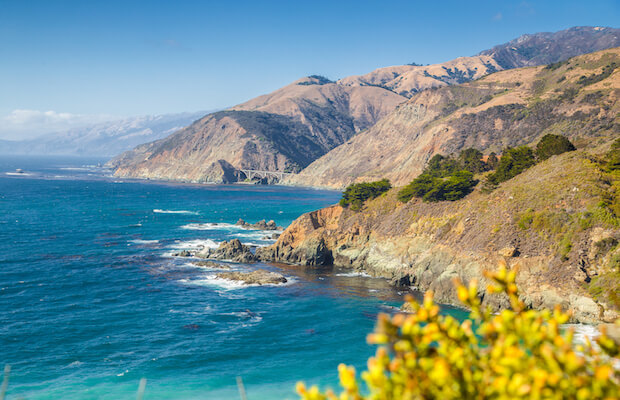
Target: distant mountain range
{"points": [[103, 139], [317, 119]]}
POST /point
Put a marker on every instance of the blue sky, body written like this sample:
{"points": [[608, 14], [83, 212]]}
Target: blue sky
{"points": [[100, 59]]}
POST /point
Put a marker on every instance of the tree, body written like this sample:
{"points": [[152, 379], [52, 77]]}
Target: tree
{"points": [[513, 162], [551, 145], [356, 194], [515, 354], [471, 160], [492, 161]]}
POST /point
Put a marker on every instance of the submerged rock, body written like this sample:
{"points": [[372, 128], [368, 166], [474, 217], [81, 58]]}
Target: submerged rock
{"points": [[211, 264], [258, 277]]}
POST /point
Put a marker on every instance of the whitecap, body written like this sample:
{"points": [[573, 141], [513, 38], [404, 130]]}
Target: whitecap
{"points": [[195, 244], [18, 174], [208, 226], [143, 241], [74, 364], [159, 211]]}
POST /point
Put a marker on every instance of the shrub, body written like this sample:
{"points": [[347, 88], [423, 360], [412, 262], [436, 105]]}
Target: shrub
{"points": [[516, 354], [356, 194], [551, 145], [430, 188], [513, 162], [613, 156]]}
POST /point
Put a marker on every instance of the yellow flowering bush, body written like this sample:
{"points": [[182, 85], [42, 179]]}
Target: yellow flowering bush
{"points": [[515, 354]]}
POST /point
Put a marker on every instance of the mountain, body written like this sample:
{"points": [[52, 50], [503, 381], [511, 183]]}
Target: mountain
{"points": [[550, 47], [577, 98], [282, 131], [103, 139], [293, 126]]}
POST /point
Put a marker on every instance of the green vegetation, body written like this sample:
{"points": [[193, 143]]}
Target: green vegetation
{"points": [[516, 354], [551, 145], [446, 178], [318, 80], [613, 156], [356, 194], [589, 80], [513, 162]]}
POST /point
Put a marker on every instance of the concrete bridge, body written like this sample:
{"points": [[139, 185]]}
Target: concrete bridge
{"points": [[254, 173]]}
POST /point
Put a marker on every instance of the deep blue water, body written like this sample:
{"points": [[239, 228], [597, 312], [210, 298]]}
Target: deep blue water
{"points": [[91, 300]]}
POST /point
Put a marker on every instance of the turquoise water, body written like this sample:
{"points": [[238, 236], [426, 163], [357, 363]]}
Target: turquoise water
{"points": [[92, 301]]}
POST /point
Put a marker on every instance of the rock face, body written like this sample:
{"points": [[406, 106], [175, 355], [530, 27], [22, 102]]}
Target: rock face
{"points": [[428, 245], [507, 108], [261, 225], [549, 47], [257, 277], [232, 250]]}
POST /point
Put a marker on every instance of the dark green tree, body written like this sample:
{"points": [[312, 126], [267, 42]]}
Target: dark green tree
{"points": [[356, 194], [513, 162], [551, 145]]}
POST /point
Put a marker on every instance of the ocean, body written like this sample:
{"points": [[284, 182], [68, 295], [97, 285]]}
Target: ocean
{"points": [[92, 299]]}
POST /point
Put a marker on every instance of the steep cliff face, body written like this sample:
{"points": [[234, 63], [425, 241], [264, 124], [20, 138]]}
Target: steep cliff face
{"points": [[577, 98], [282, 131], [526, 223]]}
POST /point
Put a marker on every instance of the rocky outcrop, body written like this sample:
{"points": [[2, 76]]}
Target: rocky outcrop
{"points": [[260, 225], [429, 245], [257, 277], [232, 250]]}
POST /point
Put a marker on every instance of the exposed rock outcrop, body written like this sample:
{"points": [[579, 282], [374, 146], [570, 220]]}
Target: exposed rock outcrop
{"points": [[257, 277], [232, 250], [261, 225]]}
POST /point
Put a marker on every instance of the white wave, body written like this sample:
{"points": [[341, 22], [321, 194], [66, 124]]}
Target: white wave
{"points": [[355, 273], [583, 331], [18, 173], [74, 364], [228, 284], [208, 226], [195, 244], [142, 241], [159, 211]]}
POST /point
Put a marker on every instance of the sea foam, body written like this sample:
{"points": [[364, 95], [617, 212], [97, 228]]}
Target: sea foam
{"points": [[159, 211]]}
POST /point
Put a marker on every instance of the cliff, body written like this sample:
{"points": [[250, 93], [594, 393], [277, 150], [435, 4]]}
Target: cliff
{"points": [[577, 98], [547, 222]]}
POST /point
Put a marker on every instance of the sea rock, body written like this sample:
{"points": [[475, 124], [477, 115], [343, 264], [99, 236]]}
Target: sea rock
{"points": [[211, 264], [261, 225], [258, 277], [232, 250], [183, 253]]}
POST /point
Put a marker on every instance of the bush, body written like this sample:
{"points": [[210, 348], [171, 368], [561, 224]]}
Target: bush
{"points": [[613, 156], [492, 161], [551, 145], [430, 188], [356, 194], [516, 354], [513, 162], [446, 178]]}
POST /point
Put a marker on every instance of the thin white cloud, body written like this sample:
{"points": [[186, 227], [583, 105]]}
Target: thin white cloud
{"points": [[27, 124], [498, 17]]}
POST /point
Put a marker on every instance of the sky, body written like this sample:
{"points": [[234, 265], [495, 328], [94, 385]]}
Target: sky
{"points": [[65, 63]]}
